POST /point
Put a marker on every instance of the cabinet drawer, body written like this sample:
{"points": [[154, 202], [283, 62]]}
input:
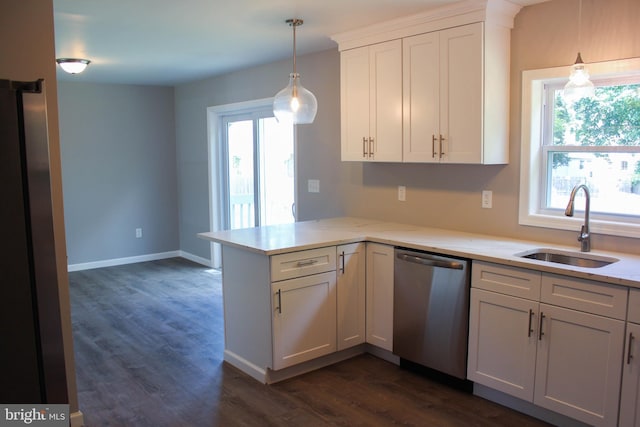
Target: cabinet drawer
{"points": [[518, 282], [584, 295], [634, 306], [302, 263]]}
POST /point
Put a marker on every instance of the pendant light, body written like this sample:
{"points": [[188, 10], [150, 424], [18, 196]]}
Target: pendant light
{"points": [[579, 84], [294, 103], [73, 65]]}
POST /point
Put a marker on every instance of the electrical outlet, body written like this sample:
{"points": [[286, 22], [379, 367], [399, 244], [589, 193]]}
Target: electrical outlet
{"points": [[138, 233], [487, 199], [402, 193], [313, 185]]}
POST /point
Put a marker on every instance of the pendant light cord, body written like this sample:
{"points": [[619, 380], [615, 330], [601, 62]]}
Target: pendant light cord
{"points": [[579, 26], [294, 23]]}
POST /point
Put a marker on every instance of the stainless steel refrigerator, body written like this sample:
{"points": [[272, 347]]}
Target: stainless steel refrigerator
{"points": [[32, 367]]}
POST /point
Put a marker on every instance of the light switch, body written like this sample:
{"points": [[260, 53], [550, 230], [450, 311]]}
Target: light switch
{"points": [[487, 199], [313, 185], [402, 193]]}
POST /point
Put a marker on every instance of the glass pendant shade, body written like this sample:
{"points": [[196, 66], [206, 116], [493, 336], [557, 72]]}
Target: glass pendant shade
{"points": [[579, 84], [73, 65], [294, 103]]}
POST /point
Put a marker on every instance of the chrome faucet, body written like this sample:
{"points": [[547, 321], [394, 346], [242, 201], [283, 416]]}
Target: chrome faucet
{"points": [[584, 237]]}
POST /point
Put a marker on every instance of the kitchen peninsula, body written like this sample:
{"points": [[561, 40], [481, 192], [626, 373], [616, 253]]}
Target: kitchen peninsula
{"points": [[301, 296]]}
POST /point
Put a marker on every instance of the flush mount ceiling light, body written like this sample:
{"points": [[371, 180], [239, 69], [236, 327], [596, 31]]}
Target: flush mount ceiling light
{"points": [[73, 65], [579, 84], [294, 103]]}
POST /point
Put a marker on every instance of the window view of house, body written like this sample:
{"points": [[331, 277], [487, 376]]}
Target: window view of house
{"points": [[595, 141]]}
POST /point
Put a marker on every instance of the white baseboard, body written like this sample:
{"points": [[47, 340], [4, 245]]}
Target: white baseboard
{"points": [[122, 261], [76, 419], [245, 366], [196, 259], [139, 258]]}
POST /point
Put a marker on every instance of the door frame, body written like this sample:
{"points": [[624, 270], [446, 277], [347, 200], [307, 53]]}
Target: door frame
{"points": [[216, 166]]}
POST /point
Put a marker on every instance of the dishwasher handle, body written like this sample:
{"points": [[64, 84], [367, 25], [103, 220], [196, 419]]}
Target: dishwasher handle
{"points": [[425, 259]]}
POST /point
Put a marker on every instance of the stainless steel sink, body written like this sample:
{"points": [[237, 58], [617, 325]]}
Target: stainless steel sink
{"points": [[578, 259]]}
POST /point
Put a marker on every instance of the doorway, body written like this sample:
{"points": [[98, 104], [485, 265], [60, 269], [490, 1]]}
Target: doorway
{"points": [[258, 177], [252, 168]]}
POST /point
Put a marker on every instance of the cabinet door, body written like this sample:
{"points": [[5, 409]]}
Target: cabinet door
{"points": [[385, 122], [502, 343], [371, 102], [304, 319], [354, 104], [421, 95], [461, 85], [630, 396], [351, 294], [380, 295], [578, 365]]}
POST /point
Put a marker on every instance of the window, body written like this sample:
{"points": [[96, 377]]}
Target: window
{"points": [[593, 141]]}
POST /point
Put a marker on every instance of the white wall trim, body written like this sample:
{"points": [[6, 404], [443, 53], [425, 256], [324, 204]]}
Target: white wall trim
{"points": [[76, 419], [139, 258], [214, 150], [196, 259], [123, 261]]}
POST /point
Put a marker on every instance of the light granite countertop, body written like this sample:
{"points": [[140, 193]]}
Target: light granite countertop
{"points": [[277, 239]]}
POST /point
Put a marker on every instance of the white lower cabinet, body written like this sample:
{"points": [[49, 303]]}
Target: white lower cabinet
{"points": [[578, 365], [559, 358], [630, 396], [380, 295], [304, 319], [351, 289], [502, 344]]}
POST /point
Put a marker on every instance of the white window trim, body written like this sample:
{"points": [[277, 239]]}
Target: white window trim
{"points": [[531, 156], [214, 156]]}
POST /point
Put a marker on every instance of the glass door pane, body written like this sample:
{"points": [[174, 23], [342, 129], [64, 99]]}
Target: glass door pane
{"points": [[241, 174], [277, 190]]}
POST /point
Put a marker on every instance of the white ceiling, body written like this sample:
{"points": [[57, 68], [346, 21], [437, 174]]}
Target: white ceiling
{"points": [[167, 42]]}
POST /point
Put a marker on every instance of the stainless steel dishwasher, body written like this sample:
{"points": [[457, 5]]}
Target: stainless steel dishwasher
{"points": [[431, 310]]}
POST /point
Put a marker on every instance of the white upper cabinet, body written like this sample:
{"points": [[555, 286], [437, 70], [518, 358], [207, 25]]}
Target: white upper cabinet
{"points": [[443, 96], [371, 102], [453, 71]]}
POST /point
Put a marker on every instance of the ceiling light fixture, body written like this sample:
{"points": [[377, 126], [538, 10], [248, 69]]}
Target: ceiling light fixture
{"points": [[579, 84], [73, 65], [294, 103]]}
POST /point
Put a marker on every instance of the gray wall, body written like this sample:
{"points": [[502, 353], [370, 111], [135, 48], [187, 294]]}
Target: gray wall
{"points": [[446, 196], [118, 170], [318, 144]]}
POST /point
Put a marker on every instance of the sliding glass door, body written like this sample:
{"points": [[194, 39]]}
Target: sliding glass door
{"points": [[259, 170]]}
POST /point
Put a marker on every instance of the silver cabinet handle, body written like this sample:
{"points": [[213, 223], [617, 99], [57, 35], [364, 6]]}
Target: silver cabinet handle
{"points": [[342, 259], [364, 146], [629, 355], [279, 307], [531, 314], [306, 263], [433, 146], [540, 333], [370, 147], [441, 151]]}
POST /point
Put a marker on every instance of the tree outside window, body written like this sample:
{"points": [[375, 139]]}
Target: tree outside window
{"points": [[590, 142]]}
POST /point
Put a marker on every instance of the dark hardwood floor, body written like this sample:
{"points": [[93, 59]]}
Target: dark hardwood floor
{"points": [[149, 340]]}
